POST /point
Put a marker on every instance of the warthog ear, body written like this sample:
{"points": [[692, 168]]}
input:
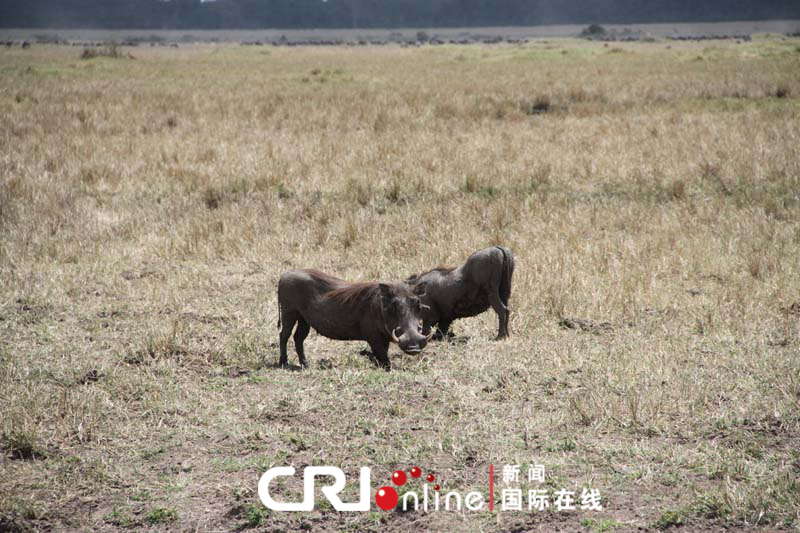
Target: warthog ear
{"points": [[420, 288], [387, 295]]}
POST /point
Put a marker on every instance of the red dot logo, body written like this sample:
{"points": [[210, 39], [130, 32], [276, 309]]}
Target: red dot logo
{"points": [[431, 478], [416, 472], [399, 478], [386, 498]]}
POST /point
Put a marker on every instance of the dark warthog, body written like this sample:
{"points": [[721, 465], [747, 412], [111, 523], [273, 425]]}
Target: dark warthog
{"points": [[451, 293], [374, 312]]}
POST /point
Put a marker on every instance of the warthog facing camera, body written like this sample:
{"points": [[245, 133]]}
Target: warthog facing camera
{"points": [[378, 313]]}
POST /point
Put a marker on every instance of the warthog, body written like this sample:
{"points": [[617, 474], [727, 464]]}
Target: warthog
{"points": [[378, 313], [452, 293]]}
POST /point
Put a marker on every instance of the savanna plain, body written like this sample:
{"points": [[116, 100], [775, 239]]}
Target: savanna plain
{"points": [[650, 192]]}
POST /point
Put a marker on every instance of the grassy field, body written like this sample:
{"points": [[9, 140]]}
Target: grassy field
{"points": [[650, 193]]}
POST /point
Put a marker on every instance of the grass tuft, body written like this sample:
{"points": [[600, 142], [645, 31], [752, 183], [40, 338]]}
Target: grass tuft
{"points": [[161, 515]]}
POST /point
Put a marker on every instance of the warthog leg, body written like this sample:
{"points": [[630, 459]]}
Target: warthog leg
{"points": [[300, 335], [288, 320], [441, 330], [502, 313], [380, 350]]}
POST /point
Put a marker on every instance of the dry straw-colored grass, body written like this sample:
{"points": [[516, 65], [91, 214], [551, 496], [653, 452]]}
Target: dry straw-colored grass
{"points": [[649, 192]]}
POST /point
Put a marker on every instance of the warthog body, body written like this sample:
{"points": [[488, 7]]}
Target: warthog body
{"points": [[452, 293], [377, 313]]}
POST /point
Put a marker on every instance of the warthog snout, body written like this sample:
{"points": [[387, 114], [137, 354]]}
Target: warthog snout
{"points": [[411, 341]]}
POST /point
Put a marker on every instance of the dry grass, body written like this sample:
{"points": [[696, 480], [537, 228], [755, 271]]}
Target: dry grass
{"points": [[148, 207]]}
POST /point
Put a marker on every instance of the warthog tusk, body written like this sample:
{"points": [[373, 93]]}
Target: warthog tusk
{"points": [[429, 336], [423, 306], [394, 337]]}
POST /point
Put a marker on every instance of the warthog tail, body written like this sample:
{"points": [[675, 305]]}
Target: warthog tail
{"points": [[279, 313], [507, 272]]}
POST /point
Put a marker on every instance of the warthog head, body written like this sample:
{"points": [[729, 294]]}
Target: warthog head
{"points": [[402, 314]]}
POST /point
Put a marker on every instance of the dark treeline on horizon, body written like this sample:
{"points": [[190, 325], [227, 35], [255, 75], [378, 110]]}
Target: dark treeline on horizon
{"points": [[261, 14]]}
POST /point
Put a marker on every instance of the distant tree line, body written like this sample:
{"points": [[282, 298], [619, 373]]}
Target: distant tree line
{"points": [[256, 14]]}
